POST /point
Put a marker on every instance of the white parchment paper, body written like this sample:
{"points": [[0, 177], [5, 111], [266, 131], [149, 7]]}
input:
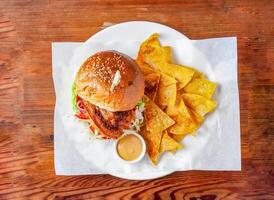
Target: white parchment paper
{"points": [[217, 144]]}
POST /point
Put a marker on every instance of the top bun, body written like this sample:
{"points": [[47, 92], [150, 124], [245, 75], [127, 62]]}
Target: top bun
{"points": [[110, 80]]}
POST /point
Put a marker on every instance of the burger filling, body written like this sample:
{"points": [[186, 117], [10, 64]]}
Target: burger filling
{"points": [[106, 124]]}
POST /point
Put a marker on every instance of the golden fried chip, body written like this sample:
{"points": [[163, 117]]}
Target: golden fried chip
{"points": [[148, 46], [197, 73], [159, 58], [176, 137], [195, 116], [153, 46], [201, 105], [162, 107], [152, 41], [167, 80], [153, 142], [151, 84], [179, 86], [201, 86], [166, 91], [156, 119], [169, 144], [180, 73], [145, 68], [184, 122], [198, 119], [167, 53], [158, 54], [154, 57], [166, 95], [183, 127], [177, 108]]}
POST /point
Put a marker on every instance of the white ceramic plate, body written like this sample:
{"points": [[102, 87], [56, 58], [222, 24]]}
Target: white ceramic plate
{"points": [[126, 38]]}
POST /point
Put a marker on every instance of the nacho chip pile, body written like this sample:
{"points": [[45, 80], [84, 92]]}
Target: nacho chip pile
{"points": [[177, 99]]}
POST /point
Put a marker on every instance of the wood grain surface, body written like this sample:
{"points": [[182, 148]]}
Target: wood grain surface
{"points": [[27, 97]]}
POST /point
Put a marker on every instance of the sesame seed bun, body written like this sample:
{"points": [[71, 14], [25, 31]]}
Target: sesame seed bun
{"points": [[95, 81]]}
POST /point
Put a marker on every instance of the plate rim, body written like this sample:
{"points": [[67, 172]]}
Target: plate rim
{"points": [[136, 22]]}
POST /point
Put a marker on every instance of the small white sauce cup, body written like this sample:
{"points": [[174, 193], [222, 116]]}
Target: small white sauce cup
{"points": [[132, 132]]}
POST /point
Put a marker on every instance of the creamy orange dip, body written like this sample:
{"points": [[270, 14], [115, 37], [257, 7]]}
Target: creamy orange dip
{"points": [[129, 147]]}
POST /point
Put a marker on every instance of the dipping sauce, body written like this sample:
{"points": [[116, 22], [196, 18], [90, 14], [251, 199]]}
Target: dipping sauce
{"points": [[129, 147]]}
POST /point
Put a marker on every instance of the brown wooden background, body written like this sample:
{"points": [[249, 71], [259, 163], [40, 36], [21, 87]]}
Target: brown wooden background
{"points": [[27, 98]]}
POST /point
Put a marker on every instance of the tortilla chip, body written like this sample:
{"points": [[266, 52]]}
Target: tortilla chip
{"points": [[169, 144], [149, 46], [176, 137], [153, 46], [167, 53], [152, 41], [145, 68], [156, 119], [159, 58], [198, 119], [166, 95], [177, 108], [197, 73], [153, 142], [201, 105], [166, 91], [179, 86], [180, 73], [184, 122], [158, 54], [151, 85], [167, 80], [183, 126], [162, 107], [195, 116], [201, 86]]}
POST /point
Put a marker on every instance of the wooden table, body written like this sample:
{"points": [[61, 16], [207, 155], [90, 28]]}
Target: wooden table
{"points": [[27, 29]]}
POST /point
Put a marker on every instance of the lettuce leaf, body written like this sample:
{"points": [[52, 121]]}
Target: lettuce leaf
{"points": [[141, 103], [74, 94]]}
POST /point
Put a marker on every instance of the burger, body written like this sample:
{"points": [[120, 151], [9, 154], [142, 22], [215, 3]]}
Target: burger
{"points": [[108, 94]]}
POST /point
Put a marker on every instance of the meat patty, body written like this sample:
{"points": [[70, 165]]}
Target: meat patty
{"points": [[109, 124]]}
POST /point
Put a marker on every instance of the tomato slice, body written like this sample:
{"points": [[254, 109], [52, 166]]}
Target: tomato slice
{"points": [[80, 105], [78, 98], [81, 116], [91, 129]]}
